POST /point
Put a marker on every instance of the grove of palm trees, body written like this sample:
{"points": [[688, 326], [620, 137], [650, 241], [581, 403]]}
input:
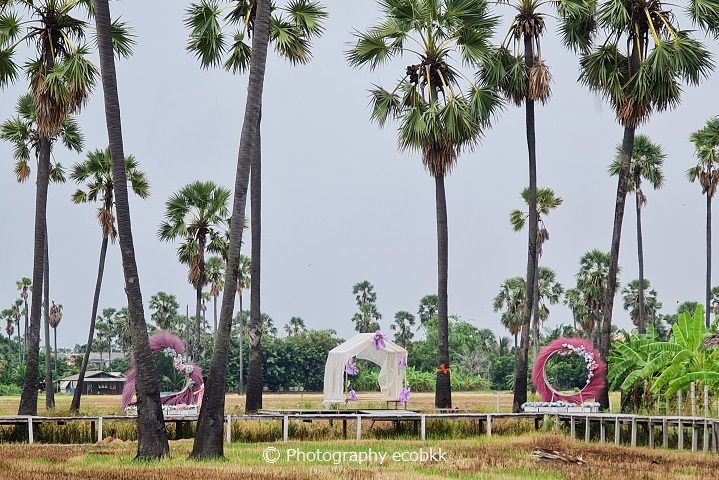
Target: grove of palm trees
{"points": [[462, 181]]}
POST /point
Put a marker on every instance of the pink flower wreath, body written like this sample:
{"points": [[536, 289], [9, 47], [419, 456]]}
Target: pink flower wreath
{"points": [[596, 370]]}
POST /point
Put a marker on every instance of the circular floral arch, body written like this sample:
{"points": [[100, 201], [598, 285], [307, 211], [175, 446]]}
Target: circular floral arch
{"points": [[596, 370]]}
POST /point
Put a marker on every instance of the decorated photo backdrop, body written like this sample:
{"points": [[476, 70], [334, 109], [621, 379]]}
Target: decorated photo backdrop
{"points": [[596, 370], [167, 344]]}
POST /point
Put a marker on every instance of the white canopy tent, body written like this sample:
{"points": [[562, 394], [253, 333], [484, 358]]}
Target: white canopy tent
{"points": [[362, 346]]}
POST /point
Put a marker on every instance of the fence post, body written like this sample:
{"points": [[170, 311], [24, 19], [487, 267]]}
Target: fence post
{"points": [[587, 430], [30, 433], [423, 428], [617, 430], [634, 432], [358, 427], [228, 429], [489, 425], [665, 433], [602, 431], [680, 435], [572, 427], [285, 428], [651, 432], [99, 429]]}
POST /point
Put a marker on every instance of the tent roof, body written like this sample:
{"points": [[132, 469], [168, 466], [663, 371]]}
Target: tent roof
{"points": [[362, 340]]}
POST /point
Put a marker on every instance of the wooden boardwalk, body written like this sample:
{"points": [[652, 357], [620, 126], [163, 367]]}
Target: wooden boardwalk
{"points": [[657, 429]]}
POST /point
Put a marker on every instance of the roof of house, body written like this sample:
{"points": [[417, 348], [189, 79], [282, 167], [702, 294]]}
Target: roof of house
{"points": [[97, 376]]}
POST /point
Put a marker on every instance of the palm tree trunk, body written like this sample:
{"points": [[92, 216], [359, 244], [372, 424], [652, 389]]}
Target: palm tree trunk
{"points": [[19, 338], [520, 371], [208, 441], [606, 324], [49, 385], [28, 399], [709, 261], [23, 347], [242, 341], [443, 392], [535, 309], [152, 436], [515, 342], [214, 308], [54, 332], [640, 255], [255, 380], [75, 405], [198, 322]]}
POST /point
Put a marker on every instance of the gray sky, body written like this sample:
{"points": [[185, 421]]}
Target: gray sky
{"points": [[340, 204]]}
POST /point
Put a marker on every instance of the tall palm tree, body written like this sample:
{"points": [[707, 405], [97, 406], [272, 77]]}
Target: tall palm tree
{"points": [[209, 435], [295, 325], [368, 317], [427, 311], [16, 311], [61, 79], [441, 111], [196, 214], [647, 77], [546, 201], [215, 278], [403, 323], [55, 318], [164, 308], [645, 164], [631, 296], [587, 299], [98, 185], [510, 300], [24, 285], [292, 27], [706, 149], [152, 436], [523, 77]]}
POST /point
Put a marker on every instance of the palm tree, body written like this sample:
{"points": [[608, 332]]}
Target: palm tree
{"points": [[104, 326], [523, 76], [61, 78], [215, 278], [546, 201], [152, 436], [403, 323], [24, 285], [209, 435], [121, 329], [196, 214], [647, 78], [645, 164], [587, 299], [706, 149], [632, 296], [96, 177], [427, 311], [268, 325], [368, 317], [437, 116], [244, 281], [17, 311], [510, 300], [164, 310], [295, 325], [55, 318]]}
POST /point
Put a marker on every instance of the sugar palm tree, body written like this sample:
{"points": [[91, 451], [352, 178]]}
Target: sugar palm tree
{"points": [[17, 312], [164, 308], [645, 164], [61, 79], [55, 318], [441, 111], [152, 436], [631, 296], [196, 214], [523, 77], [402, 326], [24, 286], [209, 436], [295, 325], [95, 175], [647, 77], [706, 149], [427, 311], [291, 29], [587, 299], [368, 317], [545, 201], [215, 279], [510, 300]]}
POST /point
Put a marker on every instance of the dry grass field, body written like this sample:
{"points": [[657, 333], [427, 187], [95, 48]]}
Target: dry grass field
{"points": [[477, 458]]}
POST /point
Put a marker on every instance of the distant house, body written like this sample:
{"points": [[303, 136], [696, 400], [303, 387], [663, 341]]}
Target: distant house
{"points": [[96, 383], [95, 361]]}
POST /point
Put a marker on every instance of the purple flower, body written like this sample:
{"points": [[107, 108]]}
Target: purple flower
{"points": [[402, 362], [404, 395], [351, 368], [352, 395], [379, 340]]}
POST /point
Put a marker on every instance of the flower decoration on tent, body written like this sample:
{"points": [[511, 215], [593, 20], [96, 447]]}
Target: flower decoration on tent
{"points": [[402, 362], [351, 368], [352, 395], [404, 395], [564, 347], [379, 340]]}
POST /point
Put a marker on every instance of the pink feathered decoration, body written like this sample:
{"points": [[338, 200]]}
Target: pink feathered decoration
{"points": [[597, 370], [190, 395]]}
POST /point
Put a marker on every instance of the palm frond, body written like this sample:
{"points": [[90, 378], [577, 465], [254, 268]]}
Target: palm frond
{"points": [[206, 40]]}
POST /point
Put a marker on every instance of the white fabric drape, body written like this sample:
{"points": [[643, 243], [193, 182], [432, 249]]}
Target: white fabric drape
{"points": [[391, 376]]}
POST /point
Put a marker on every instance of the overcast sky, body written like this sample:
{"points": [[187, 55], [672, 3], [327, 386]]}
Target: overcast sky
{"points": [[340, 204]]}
